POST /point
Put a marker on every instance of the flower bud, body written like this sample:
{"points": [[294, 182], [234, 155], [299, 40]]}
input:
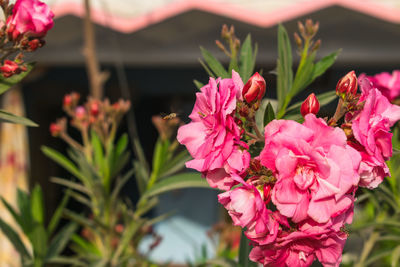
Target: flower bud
{"points": [[80, 113], [10, 68], [347, 86], [254, 89], [310, 105], [55, 129], [94, 109]]}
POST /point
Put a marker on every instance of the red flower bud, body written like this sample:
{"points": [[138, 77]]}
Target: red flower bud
{"points": [[55, 129], [347, 86], [310, 105], [94, 108], [10, 68], [254, 89]]}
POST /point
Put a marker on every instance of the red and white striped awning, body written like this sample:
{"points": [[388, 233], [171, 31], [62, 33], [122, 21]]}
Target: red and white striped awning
{"points": [[131, 15]]}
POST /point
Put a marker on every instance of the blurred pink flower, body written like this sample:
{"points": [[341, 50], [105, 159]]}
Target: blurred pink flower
{"points": [[248, 209], [315, 168], [388, 84], [371, 128], [31, 17], [213, 138]]}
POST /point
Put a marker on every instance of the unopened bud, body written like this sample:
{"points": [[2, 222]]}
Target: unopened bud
{"points": [[254, 89], [298, 40], [55, 129], [80, 113], [302, 30], [309, 27], [347, 86], [244, 111], [225, 32], [316, 46], [94, 109], [310, 105]]}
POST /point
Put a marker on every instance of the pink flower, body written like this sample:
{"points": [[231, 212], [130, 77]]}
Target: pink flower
{"points": [[315, 168], [213, 138], [254, 89], [31, 17], [10, 68], [388, 84], [247, 208], [301, 248], [371, 128]]}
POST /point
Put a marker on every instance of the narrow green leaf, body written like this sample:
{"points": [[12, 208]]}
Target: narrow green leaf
{"points": [[24, 206], [244, 251], [62, 161], [284, 69], [120, 183], [69, 184], [304, 76], [206, 68], [6, 116], [14, 238], [246, 60], [13, 212], [57, 214], [97, 150], [179, 181], [7, 83], [269, 114], [60, 241], [214, 64], [140, 176], [37, 204], [81, 199], [176, 164], [198, 84], [38, 238], [85, 247], [324, 64], [395, 257], [85, 222], [126, 238], [122, 144]]}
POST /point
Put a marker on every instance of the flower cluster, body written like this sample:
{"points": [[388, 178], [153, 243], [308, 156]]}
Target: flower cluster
{"points": [[295, 197], [25, 25], [102, 117]]}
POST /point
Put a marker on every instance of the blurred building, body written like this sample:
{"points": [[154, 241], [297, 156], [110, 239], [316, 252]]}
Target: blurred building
{"points": [[158, 42]]}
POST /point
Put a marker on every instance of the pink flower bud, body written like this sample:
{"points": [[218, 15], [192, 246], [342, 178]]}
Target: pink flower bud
{"points": [[347, 86], [55, 129], [32, 18], [310, 105], [254, 89], [80, 113], [94, 109], [10, 68]]}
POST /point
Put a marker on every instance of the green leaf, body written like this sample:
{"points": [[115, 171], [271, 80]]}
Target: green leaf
{"points": [[303, 76], [284, 65], [395, 257], [179, 181], [159, 156], [244, 251], [13, 212], [126, 238], [6, 116], [140, 176], [57, 214], [176, 164], [7, 83], [24, 207], [70, 184], [63, 162], [214, 64], [97, 150], [14, 238], [324, 64], [60, 241], [246, 60], [120, 183], [38, 238], [37, 204], [198, 84], [85, 247], [67, 261], [269, 114]]}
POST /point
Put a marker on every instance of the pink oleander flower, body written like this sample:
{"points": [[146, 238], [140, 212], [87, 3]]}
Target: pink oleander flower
{"points": [[254, 89], [247, 208], [301, 248], [30, 17], [213, 137], [371, 128], [388, 84], [316, 170]]}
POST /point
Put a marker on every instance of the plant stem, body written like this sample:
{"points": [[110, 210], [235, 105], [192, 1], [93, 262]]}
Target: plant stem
{"points": [[96, 77]]}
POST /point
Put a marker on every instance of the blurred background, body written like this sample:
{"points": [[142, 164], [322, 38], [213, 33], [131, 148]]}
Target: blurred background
{"points": [[155, 45]]}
